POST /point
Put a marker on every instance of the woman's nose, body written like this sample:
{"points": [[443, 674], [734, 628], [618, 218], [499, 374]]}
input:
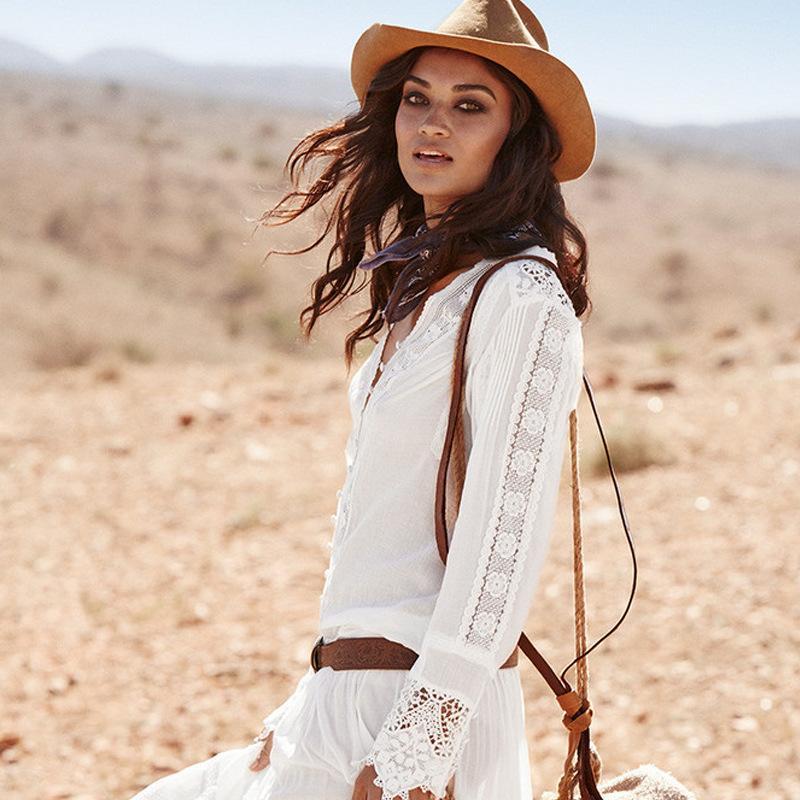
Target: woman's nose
{"points": [[433, 124]]}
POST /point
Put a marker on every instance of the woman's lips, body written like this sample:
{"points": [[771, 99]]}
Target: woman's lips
{"points": [[433, 157]]}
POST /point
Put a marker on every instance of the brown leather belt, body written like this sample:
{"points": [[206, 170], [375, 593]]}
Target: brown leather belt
{"points": [[371, 652]]}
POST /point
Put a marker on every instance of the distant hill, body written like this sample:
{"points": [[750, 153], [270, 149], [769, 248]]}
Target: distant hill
{"points": [[298, 87], [19, 57], [771, 142], [305, 88]]}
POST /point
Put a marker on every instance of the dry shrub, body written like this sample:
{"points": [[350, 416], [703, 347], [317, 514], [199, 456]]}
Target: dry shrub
{"points": [[227, 153], [50, 285], [249, 283], [63, 347], [261, 161], [675, 265], [282, 328], [632, 447], [61, 225], [137, 352], [234, 325], [764, 312], [669, 228], [170, 143], [113, 90], [69, 127], [605, 168], [108, 370], [251, 517], [667, 352], [675, 262], [61, 105], [266, 130], [212, 239]]}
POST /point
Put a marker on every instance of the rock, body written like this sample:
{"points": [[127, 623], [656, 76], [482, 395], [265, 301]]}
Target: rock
{"points": [[662, 385], [8, 740]]}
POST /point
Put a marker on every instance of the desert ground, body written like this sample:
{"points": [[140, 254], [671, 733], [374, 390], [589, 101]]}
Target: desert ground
{"points": [[171, 447]]}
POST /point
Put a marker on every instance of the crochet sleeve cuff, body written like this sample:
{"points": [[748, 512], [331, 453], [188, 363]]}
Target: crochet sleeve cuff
{"points": [[420, 742]]}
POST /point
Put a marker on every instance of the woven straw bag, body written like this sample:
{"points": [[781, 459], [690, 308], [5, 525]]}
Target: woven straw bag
{"points": [[582, 766]]}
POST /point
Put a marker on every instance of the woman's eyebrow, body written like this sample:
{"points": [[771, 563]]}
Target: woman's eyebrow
{"points": [[459, 87]]}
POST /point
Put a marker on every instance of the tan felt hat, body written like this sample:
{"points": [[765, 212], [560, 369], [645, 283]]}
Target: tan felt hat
{"points": [[508, 33]]}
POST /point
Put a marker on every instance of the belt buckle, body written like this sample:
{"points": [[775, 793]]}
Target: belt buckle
{"points": [[315, 654]]}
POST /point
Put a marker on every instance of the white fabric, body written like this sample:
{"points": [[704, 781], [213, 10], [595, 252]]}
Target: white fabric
{"points": [[455, 712]]}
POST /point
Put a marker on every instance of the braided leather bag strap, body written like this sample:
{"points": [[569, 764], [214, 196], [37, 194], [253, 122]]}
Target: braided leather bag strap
{"points": [[577, 710]]}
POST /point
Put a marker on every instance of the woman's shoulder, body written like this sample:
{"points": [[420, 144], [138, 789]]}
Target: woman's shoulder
{"points": [[529, 279], [516, 293]]}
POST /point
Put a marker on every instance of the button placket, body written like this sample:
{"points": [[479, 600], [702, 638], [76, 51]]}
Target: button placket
{"points": [[448, 303]]}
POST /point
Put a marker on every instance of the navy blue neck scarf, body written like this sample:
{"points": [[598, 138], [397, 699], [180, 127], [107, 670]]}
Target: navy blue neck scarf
{"points": [[416, 251]]}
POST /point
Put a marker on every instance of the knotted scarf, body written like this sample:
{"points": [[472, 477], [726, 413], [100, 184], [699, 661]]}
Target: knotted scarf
{"points": [[416, 251]]}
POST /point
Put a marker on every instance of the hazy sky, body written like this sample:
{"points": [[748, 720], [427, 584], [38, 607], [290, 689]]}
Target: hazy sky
{"points": [[679, 61]]}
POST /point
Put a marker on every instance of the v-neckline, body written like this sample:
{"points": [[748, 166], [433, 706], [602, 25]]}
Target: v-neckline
{"points": [[382, 368]]}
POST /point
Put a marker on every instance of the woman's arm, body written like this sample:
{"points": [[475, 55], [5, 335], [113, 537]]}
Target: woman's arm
{"points": [[519, 392]]}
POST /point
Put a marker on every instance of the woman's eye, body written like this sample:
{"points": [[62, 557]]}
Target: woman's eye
{"points": [[472, 105]]}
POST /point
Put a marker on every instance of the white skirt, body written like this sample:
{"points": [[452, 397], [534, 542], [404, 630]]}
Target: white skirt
{"points": [[329, 723]]}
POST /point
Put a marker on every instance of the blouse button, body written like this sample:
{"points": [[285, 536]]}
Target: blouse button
{"points": [[338, 492], [333, 518]]}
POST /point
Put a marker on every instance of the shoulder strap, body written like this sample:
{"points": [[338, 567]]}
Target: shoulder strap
{"points": [[578, 712]]}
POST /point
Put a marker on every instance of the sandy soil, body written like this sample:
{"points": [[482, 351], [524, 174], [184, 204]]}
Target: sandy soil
{"points": [[161, 579]]}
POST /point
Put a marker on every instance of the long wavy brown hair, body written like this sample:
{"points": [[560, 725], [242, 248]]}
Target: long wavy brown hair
{"points": [[356, 169]]}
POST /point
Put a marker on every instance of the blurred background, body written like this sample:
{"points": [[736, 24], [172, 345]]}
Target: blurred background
{"points": [[171, 445]]}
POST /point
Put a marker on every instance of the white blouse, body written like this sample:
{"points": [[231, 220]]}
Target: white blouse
{"points": [[524, 362], [455, 712]]}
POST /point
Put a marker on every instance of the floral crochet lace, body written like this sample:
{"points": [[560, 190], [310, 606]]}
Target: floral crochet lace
{"points": [[497, 576], [423, 736]]}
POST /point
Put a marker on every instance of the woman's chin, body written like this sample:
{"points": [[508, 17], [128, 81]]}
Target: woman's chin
{"points": [[434, 186]]}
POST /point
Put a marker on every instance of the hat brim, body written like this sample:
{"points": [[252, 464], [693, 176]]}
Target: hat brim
{"points": [[555, 85]]}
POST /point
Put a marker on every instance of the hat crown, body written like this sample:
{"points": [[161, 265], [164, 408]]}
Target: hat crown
{"points": [[508, 21]]}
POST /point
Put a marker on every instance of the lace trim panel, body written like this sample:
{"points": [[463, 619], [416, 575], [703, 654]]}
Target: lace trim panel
{"points": [[410, 349], [527, 452]]}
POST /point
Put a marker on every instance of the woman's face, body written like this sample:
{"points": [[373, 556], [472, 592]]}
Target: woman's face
{"points": [[453, 117]]}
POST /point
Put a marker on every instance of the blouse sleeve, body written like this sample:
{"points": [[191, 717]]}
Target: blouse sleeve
{"points": [[520, 389]]}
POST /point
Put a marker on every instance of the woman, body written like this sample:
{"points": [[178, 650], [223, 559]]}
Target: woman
{"points": [[451, 162]]}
